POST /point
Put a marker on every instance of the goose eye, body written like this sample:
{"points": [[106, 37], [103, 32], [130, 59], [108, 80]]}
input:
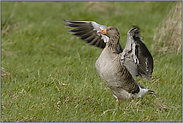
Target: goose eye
{"points": [[109, 28]]}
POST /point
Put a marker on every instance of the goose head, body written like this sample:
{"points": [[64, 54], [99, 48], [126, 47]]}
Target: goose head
{"points": [[110, 31]]}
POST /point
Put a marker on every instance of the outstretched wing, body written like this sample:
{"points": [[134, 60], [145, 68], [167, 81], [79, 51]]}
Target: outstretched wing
{"points": [[136, 57], [88, 31]]}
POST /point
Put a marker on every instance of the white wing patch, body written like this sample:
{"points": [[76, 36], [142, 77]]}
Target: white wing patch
{"points": [[97, 27]]}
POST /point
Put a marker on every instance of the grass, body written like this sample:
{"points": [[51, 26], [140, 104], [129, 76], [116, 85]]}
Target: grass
{"points": [[48, 75], [168, 34]]}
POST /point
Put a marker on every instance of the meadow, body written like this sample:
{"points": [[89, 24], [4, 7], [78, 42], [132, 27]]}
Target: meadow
{"points": [[48, 75]]}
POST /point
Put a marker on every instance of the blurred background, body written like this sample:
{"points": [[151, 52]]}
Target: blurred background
{"points": [[48, 75]]}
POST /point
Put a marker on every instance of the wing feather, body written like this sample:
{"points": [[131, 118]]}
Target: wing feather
{"points": [[136, 57], [87, 31]]}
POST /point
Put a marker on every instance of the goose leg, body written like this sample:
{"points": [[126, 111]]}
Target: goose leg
{"points": [[117, 102], [133, 100]]}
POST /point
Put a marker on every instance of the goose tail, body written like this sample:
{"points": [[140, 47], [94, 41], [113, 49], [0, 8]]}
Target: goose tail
{"points": [[151, 92]]}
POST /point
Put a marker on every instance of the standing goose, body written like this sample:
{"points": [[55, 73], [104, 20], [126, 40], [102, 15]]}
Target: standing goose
{"points": [[116, 66]]}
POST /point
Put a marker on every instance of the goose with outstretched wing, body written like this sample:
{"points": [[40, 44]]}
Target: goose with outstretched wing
{"points": [[117, 67]]}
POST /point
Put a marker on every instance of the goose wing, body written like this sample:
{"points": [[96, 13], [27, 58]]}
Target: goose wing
{"points": [[88, 31], [136, 57]]}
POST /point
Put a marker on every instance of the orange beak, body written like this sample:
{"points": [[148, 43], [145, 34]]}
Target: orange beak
{"points": [[102, 31]]}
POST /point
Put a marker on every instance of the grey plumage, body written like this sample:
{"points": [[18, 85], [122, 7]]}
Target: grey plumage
{"points": [[138, 58], [116, 66], [135, 47]]}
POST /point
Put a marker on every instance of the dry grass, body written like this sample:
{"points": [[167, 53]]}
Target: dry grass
{"points": [[4, 73], [168, 35], [6, 27], [104, 7]]}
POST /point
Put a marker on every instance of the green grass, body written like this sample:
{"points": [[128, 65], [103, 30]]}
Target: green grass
{"points": [[48, 75]]}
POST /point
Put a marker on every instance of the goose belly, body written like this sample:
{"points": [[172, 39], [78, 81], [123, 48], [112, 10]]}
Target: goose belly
{"points": [[109, 71]]}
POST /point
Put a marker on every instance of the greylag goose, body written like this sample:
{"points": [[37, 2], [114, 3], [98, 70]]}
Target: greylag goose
{"points": [[117, 67]]}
